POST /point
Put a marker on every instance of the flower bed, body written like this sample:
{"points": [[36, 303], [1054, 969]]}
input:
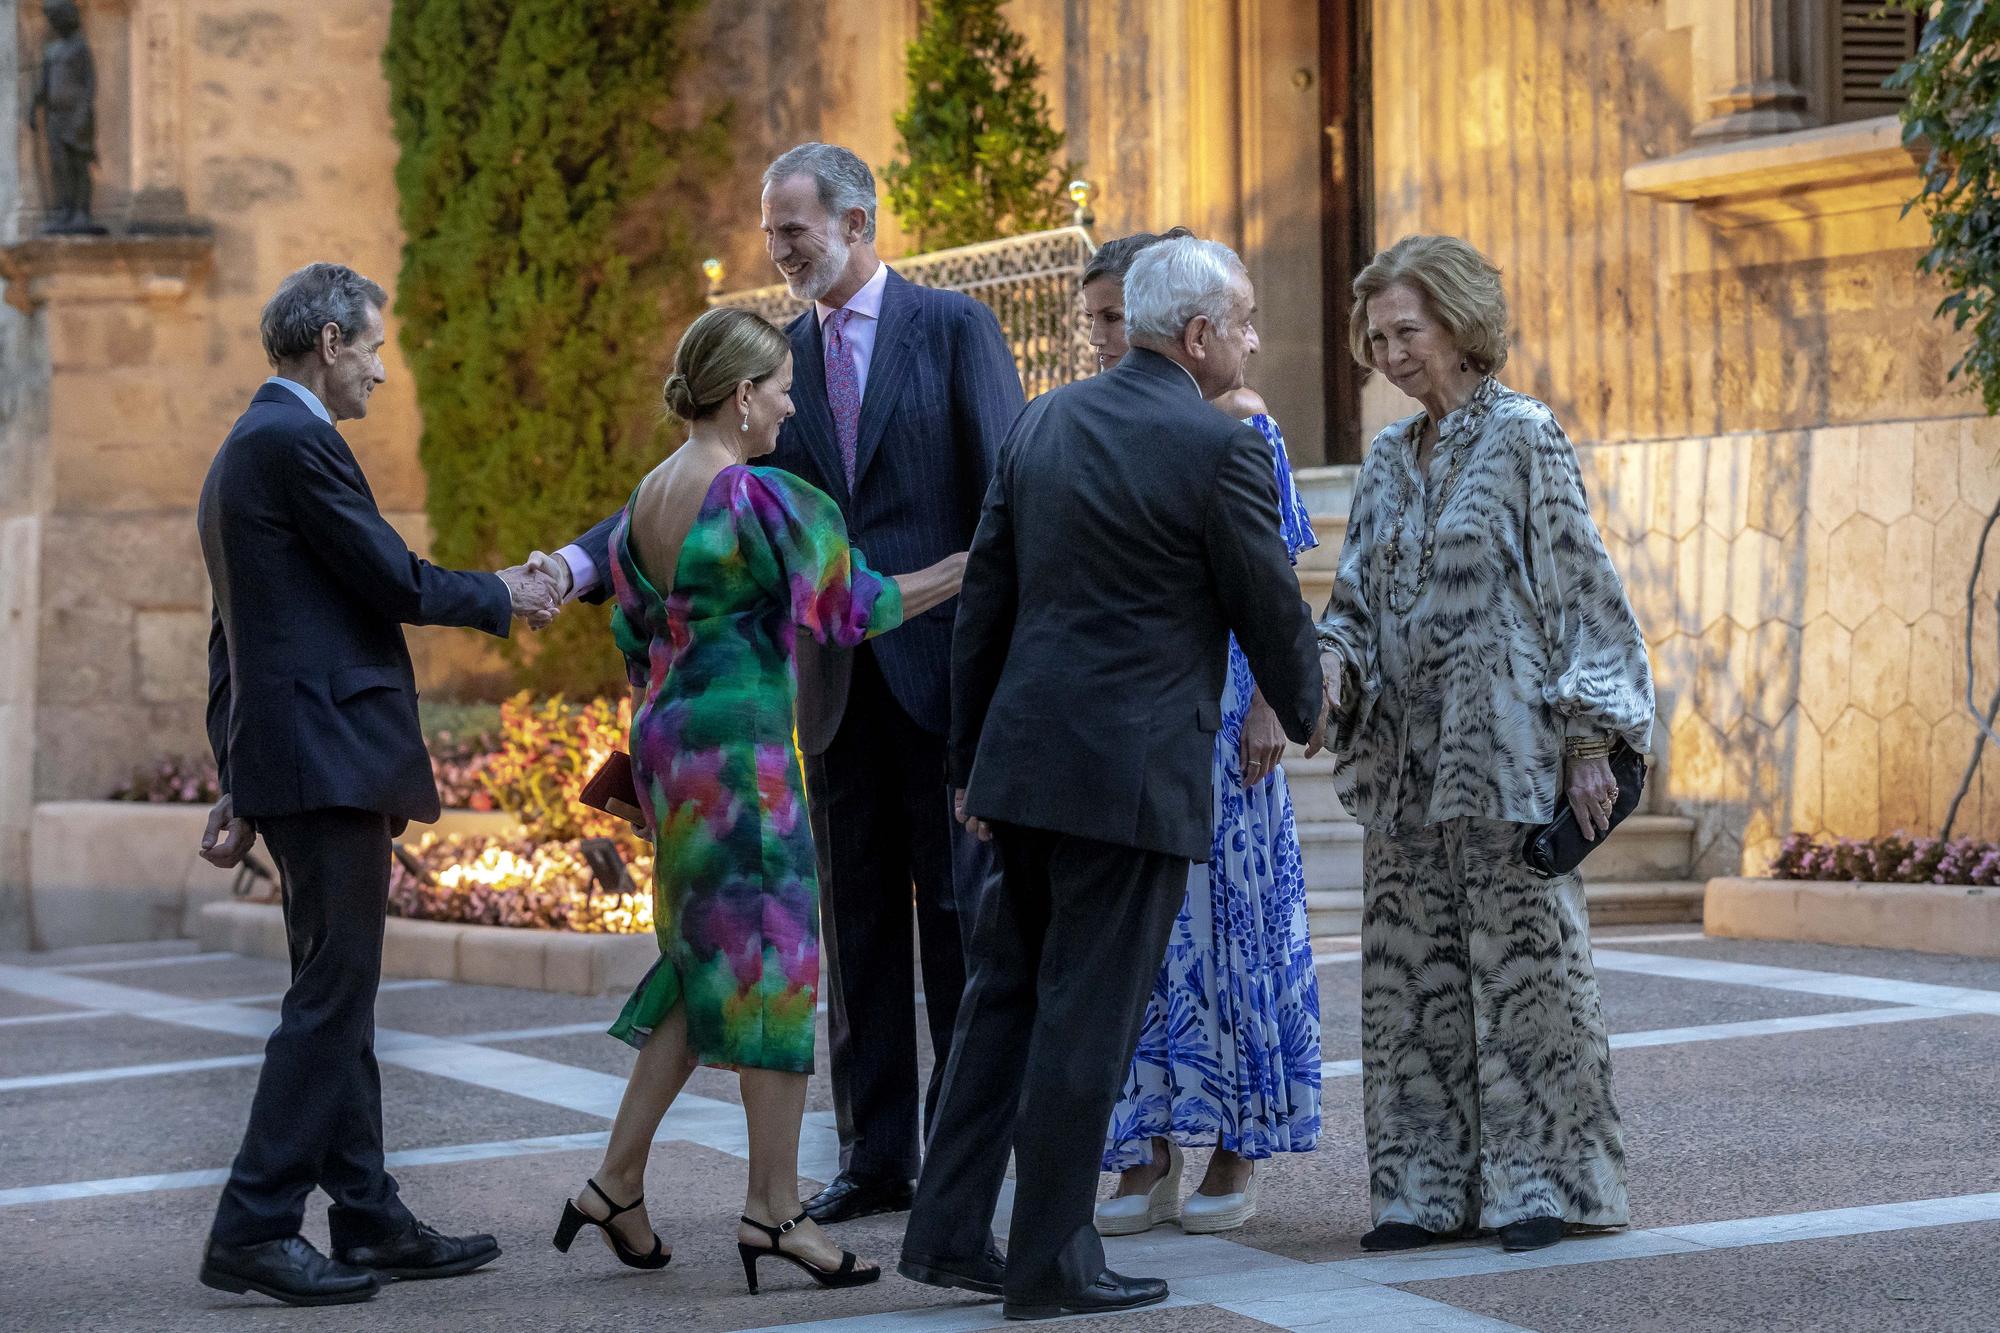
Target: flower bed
{"points": [[531, 765], [1890, 859], [516, 882], [459, 761]]}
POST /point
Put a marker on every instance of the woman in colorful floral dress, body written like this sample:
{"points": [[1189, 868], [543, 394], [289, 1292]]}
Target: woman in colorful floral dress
{"points": [[717, 567], [1229, 1057]]}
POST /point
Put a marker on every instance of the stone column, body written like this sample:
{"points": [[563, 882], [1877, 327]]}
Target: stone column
{"points": [[159, 195], [1756, 53]]}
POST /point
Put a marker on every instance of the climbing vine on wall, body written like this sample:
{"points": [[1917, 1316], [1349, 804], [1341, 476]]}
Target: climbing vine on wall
{"points": [[1952, 88], [1953, 91]]}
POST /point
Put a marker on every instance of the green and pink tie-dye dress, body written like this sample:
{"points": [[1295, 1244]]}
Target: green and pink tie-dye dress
{"points": [[736, 899]]}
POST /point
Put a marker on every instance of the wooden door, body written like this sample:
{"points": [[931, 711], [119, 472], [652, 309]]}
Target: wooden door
{"points": [[1347, 227]]}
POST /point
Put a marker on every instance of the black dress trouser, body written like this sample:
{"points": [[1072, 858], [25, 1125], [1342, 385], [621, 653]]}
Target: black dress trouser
{"points": [[317, 1117], [882, 822], [1065, 954]]}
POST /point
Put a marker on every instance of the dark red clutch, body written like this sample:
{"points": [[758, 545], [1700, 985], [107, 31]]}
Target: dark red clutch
{"points": [[611, 790]]}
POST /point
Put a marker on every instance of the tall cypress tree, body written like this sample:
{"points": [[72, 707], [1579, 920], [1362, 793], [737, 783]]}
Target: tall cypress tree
{"points": [[979, 153], [534, 298]]}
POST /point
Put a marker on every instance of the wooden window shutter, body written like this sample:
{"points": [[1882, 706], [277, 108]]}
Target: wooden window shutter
{"points": [[1869, 46]]}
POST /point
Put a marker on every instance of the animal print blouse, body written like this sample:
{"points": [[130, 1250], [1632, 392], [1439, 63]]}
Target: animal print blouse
{"points": [[1513, 630]]}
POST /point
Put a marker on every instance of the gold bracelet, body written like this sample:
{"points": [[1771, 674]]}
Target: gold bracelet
{"points": [[1587, 747]]}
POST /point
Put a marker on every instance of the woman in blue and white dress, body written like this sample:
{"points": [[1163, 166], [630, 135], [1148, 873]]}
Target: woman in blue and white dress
{"points": [[1229, 1057]]}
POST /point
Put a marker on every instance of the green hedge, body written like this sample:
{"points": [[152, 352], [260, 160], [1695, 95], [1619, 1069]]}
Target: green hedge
{"points": [[544, 264]]}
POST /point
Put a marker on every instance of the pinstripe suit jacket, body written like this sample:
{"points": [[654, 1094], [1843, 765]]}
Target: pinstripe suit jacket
{"points": [[942, 394]]}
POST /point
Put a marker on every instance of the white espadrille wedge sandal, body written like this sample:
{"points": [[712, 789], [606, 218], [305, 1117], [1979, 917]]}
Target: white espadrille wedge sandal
{"points": [[1133, 1213]]}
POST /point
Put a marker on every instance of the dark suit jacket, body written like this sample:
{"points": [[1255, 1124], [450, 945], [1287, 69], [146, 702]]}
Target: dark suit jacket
{"points": [[1128, 531], [311, 700], [942, 391]]}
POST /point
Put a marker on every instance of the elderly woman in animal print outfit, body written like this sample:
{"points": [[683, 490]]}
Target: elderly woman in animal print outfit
{"points": [[1488, 660]]}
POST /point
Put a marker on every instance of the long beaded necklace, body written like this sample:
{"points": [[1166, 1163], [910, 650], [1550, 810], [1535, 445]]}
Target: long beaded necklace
{"points": [[1393, 556]]}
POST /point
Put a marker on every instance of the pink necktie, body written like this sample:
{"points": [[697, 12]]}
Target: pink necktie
{"points": [[843, 391]]}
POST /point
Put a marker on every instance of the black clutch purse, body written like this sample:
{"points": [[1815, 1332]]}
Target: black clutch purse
{"points": [[1558, 847]]}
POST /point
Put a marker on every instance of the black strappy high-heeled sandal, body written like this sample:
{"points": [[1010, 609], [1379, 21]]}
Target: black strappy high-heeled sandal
{"points": [[574, 1219], [847, 1275]]}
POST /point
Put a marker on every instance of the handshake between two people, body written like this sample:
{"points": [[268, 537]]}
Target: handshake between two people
{"points": [[537, 588]]}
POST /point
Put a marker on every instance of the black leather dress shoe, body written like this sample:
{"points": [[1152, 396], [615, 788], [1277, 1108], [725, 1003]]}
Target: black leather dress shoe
{"points": [[1532, 1233], [423, 1252], [983, 1275], [288, 1270], [849, 1197], [1400, 1236], [1111, 1292]]}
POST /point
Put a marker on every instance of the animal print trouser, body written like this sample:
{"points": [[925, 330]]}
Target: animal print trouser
{"points": [[1486, 1072]]}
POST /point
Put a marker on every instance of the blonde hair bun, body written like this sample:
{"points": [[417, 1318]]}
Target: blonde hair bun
{"points": [[720, 350], [679, 397]]}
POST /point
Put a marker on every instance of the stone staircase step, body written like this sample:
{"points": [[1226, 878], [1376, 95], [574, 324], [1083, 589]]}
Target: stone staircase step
{"points": [[1331, 529], [1314, 799], [1643, 848], [1612, 903]]}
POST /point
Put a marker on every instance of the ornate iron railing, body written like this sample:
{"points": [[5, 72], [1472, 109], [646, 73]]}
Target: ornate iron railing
{"points": [[1029, 282]]}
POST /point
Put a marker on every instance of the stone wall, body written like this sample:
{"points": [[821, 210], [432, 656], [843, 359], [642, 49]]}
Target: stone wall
{"points": [[141, 391], [1803, 596], [1513, 122]]}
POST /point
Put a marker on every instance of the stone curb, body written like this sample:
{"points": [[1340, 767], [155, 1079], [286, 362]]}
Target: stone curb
{"points": [[546, 960], [1927, 918]]}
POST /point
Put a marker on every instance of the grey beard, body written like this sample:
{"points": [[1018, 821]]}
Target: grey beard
{"points": [[826, 272]]}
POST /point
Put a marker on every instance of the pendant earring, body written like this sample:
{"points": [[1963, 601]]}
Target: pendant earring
{"points": [[746, 421]]}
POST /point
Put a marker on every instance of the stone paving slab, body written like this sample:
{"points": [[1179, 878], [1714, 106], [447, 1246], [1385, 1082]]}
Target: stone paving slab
{"points": [[1636, 1003], [87, 1131], [1741, 1127], [192, 1121], [1904, 965], [110, 1042], [216, 980], [1937, 1280], [454, 1010], [695, 1194], [22, 1006], [1811, 1120], [99, 953]]}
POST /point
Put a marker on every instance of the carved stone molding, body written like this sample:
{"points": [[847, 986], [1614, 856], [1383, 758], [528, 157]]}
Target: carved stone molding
{"points": [[89, 269], [1819, 193], [1809, 173], [158, 184]]}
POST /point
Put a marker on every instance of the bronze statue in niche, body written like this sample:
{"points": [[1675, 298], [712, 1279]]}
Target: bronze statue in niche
{"points": [[65, 111]]}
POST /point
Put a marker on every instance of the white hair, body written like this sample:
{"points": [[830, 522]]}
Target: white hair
{"points": [[1173, 281]]}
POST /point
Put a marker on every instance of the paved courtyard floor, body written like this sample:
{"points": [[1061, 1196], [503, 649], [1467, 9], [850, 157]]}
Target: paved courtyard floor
{"points": [[1812, 1136]]}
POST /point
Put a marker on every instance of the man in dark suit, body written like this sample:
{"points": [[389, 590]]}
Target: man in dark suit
{"points": [[312, 712], [1129, 531], [903, 394]]}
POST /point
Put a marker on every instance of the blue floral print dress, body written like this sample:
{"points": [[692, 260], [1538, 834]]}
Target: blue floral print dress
{"points": [[1229, 1055]]}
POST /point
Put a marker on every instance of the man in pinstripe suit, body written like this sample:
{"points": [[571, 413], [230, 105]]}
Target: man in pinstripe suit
{"points": [[903, 395]]}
